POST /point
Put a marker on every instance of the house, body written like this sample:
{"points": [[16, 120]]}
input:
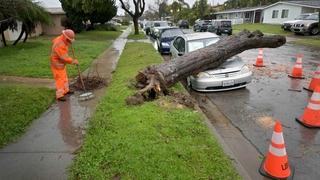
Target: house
{"points": [[56, 13], [275, 13], [282, 11], [242, 15]]}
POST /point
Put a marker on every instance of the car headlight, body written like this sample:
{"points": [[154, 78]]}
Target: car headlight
{"points": [[203, 75], [245, 69], [165, 44]]}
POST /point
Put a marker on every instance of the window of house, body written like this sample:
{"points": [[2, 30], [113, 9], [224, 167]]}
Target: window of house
{"points": [[275, 13], [246, 15], [284, 13]]}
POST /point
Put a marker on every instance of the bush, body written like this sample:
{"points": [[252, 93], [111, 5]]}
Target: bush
{"points": [[125, 22], [106, 27]]}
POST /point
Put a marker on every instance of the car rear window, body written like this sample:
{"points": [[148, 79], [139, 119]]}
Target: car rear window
{"points": [[226, 23], [160, 24]]}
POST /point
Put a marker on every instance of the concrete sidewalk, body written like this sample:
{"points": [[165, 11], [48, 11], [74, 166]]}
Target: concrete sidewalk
{"points": [[46, 149]]}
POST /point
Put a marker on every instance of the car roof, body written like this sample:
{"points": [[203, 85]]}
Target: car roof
{"points": [[165, 27], [221, 20], [199, 35]]}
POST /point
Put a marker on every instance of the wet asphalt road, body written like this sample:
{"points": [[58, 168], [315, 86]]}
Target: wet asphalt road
{"points": [[254, 109]]}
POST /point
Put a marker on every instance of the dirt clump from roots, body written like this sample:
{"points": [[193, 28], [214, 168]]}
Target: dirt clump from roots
{"points": [[90, 83]]}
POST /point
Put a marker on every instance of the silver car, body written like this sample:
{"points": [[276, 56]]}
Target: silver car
{"points": [[232, 74]]}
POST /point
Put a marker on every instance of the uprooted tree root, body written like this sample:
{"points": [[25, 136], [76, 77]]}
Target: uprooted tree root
{"points": [[90, 83]]}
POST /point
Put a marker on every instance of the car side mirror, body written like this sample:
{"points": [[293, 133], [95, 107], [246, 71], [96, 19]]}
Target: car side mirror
{"points": [[180, 53]]}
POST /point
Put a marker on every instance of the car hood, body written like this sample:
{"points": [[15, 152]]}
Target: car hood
{"points": [[231, 65], [306, 22], [291, 22]]}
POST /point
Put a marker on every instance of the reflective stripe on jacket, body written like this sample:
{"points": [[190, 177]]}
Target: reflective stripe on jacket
{"points": [[59, 53]]}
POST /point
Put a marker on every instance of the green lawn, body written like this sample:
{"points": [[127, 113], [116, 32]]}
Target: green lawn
{"points": [[20, 105], [150, 141], [31, 59], [265, 28], [308, 42], [141, 35]]}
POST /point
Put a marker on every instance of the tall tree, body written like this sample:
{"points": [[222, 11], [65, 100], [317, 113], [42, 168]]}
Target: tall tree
{"points": [[139, 6]]}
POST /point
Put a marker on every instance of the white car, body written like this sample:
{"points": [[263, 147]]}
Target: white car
{"points": [[287, 24], [232, 74]]}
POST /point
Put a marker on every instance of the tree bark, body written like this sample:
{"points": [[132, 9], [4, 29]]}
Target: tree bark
{"points": [[156, 79], [26, 36], [23, 29], [136, 25]]}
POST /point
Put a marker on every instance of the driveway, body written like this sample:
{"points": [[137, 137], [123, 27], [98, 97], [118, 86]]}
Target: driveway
{"points": [[272, 95]]}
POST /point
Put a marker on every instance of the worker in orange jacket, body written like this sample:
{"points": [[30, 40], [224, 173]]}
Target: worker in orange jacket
{"points": [[59, 58]]}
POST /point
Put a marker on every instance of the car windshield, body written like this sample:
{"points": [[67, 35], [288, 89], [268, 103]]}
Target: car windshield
{"points": [[201, 43], [159, 24], [313, 17], [302, 16], [206, 22], [226, 23]]}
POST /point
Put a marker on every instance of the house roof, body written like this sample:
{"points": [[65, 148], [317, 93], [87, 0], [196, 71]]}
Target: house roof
{"points": [[311, 4], [56, 10], [241, 10]]}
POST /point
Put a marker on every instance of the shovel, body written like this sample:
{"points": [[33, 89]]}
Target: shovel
{"points": [[86, 95]]}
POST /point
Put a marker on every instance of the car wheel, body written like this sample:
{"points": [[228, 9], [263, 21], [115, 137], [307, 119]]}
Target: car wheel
{"points": [[314, 31]]}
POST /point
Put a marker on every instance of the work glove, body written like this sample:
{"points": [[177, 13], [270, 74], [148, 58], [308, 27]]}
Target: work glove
{"points": [[75, 62]]}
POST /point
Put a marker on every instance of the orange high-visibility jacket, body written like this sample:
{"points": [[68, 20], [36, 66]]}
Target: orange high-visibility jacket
{"points": [[59, 53]]}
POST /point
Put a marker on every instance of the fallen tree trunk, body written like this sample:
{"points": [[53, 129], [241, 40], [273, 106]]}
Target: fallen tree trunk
{"points": [[156, 79]]}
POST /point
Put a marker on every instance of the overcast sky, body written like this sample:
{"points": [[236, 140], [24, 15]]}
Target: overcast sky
{"points": [[56, 3]]}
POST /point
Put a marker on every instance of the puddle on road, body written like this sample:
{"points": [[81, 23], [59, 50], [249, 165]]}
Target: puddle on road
{"points": [[265, 122]]}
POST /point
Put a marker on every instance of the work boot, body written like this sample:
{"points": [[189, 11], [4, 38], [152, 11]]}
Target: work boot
{"points": [[70, 92], [62, 98]]}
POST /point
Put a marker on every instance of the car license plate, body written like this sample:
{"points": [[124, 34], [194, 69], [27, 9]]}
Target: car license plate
{"points": [[228, 83]]}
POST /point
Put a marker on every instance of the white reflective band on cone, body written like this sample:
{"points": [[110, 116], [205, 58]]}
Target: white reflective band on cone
{"points": [[277, 151], [298, 66], [315, 96], [313, 106], [277, 138]]}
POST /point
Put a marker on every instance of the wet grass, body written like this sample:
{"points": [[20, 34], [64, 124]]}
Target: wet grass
{"points": [[147, 141], [309, 42], [19, 106], [31, 59], [265, 28], [141, 35]]}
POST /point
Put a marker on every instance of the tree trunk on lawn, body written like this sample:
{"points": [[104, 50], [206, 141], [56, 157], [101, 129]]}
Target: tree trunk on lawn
{"points": [[156, 79], [23, 30], [3, 38], [136, 25], [26, 37]]}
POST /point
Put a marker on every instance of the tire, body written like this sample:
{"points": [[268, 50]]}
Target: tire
{"points": [[314, 31]]}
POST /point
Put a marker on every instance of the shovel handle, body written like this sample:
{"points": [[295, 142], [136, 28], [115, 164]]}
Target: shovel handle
{"points": [[79, 72]]}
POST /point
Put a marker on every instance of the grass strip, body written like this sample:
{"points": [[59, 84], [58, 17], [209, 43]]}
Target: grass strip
{"points": [[19, 106], [150, 141], [265, 28], [31, 59], [133, 36], [308, 42]]}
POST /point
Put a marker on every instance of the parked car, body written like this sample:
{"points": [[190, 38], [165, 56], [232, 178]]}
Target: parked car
{"points": [[220, 27], [147, 27], [157, 24], [183, 24], [201, 25], [232, 74], [287, 24], [307, 26], [166, 35]]}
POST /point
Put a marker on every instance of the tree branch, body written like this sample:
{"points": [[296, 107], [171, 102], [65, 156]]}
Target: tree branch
{"points": [[123, 6]]}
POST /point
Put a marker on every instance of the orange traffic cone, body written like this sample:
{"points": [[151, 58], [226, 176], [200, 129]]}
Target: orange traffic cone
{"points": [[259, 61], [311, 114], [275, 165], [297, 69], [315, 81]]}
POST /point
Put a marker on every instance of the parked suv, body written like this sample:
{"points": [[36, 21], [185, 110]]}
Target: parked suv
{"points": [[307, 26], [220, 27], [287, 24], [183, 24], [201, 25]]}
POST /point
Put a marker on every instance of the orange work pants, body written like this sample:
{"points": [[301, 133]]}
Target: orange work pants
{"points": [[61, 78]]}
